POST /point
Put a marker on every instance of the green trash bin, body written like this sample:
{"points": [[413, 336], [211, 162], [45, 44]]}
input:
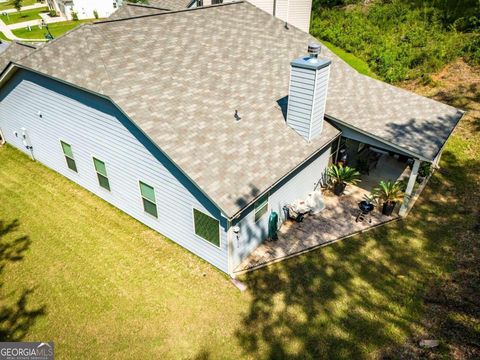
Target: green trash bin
{"points": [[273, 226]]}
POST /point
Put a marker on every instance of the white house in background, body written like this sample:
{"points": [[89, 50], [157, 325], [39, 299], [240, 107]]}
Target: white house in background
{"points": [[294, 12], [85, 9]]}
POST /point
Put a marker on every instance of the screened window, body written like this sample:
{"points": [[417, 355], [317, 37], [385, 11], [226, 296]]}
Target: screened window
{"points": [[261, 207], [102, 176], [206, 227], [67, 151], [148, 199]]}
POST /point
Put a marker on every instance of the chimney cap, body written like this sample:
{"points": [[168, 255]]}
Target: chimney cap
{"points": [[314, 49]]}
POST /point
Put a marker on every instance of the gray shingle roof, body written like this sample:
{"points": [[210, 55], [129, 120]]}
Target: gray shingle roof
{"points": [[417, 124], [15, 51], [128, 10], [170, 4], [181, 75]]}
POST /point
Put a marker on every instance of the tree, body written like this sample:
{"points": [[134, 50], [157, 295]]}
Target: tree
{"points": [[17, 4]]}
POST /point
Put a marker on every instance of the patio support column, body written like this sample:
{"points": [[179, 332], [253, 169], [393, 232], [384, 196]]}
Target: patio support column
{"points": [[437, 159], [410, 185]]}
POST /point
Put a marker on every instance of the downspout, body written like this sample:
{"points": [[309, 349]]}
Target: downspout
{"points": [[230, 249]]}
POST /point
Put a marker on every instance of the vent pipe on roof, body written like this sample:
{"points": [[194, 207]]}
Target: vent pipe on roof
{"points": [[307, 96], [314, 50]]}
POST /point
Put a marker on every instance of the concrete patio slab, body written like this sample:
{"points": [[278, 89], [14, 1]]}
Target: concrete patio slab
{"points": [[336, 222]]}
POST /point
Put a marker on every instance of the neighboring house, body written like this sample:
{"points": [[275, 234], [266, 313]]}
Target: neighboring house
{"points": [[85, 9], [199, 121], [293, 12]]}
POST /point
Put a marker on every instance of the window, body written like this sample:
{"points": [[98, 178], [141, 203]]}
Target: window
{"points": [[261, 207], [206, 227], [199, 3], [101, 170], [148, 198], [114, 5], [215, 2], [67, 151]]}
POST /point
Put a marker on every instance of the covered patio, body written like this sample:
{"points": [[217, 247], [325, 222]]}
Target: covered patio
{"points": [[335, 222]]}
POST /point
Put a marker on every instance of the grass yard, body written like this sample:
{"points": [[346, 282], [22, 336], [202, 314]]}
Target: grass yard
{"points": [[57, 29], [79, 272], [3, 37], [9, 4], [355, 62], [22, 16]]}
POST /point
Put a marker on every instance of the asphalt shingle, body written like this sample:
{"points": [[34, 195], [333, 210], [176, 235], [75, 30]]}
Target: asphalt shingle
{"points": [[132, 10], [14, 51]]}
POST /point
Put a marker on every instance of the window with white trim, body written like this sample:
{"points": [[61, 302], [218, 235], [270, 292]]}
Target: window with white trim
{"points": [[148, 199], [102, 176], [68, 153]]}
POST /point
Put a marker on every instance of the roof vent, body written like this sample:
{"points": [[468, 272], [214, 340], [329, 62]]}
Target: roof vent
{"points": [[314, 50]]}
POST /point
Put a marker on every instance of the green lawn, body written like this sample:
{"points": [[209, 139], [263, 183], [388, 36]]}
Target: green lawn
{"points": [[22, 16], [9, 4], [56, 29], [355, 62], [3, 37]]}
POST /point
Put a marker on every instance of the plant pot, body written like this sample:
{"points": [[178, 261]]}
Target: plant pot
{"points": [[338, 188], [420, 179], [388, 207]]}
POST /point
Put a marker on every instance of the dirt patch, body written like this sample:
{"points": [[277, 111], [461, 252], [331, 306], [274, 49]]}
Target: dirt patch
{"points": [[458, 84], [452, 303]]}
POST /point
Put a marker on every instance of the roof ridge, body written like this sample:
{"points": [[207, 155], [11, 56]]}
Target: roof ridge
{"points": [[148, 6], [169, 12], [24, 44], [90, 46]]}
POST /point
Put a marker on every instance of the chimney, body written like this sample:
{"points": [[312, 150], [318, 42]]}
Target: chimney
{"points": [[308, 93]]}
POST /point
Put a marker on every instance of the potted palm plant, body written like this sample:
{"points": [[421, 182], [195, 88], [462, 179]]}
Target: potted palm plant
{"points": [[389, 193], [341, 176]]}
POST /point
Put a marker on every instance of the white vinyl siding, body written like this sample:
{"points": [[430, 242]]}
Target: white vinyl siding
{"points": [[253, 232], [97, 128]]}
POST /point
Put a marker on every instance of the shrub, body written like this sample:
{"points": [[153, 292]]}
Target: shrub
{"points": [[74, 16], [398, 40], [17, 4], [95, 14], [52, 13], [388, 192], [472, 50]]}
